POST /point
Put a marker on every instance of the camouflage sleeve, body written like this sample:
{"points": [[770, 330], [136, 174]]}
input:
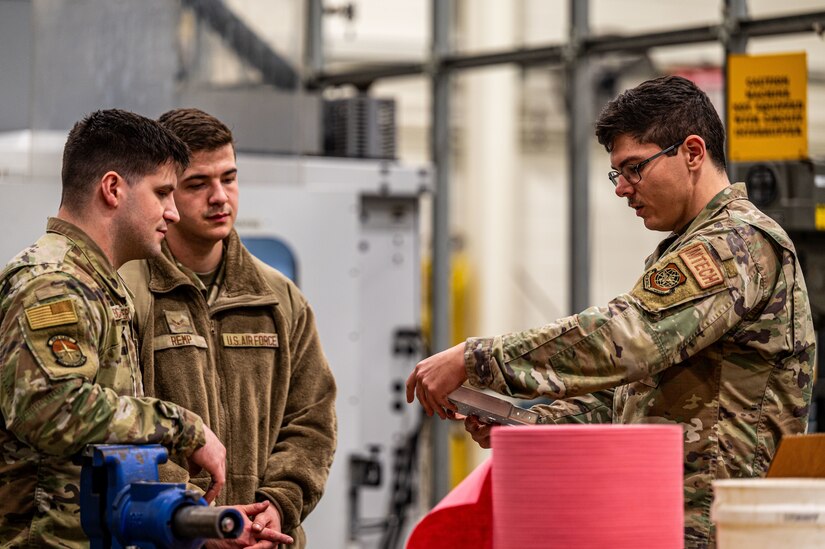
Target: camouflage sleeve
{"points": [[593, 408], [687, 300], [51, 341]]}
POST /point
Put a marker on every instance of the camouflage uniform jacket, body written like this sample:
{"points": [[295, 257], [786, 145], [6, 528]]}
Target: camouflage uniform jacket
{"points": [[247, 357], [68, 377], [715, 336]]}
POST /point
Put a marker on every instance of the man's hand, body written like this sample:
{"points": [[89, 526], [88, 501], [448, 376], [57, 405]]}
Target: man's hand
{"points": [[211, 457], [267, 528], [435, 377], [264, 536], [479, 431]]}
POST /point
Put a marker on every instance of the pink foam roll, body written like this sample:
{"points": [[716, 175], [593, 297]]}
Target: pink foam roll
{"points": [[588, 486]]}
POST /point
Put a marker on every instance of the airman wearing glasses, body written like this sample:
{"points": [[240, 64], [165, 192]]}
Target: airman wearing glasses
{"points": [[715, 336]]}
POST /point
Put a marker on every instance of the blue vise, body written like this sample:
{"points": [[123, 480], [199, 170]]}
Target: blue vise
{"points": [[122, 504]]}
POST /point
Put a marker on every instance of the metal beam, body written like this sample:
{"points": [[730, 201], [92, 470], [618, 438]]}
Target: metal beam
{"points": [[440, 155], [522, 56], [246, 43], [554, 54], [642, 42], [791, 24], [314, 50], [734, 41], [579, 99], [363, 77]]}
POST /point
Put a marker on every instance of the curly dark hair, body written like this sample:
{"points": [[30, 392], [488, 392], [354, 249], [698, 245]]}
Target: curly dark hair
{"points": [[663, 111]]}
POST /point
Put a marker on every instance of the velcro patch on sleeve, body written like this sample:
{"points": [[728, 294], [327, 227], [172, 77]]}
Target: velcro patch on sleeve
{"points": [[670, 283], [250, 340], [55, 289], [52, 314], [703, 267], [66, 351], [665, 280], [62, 352]]}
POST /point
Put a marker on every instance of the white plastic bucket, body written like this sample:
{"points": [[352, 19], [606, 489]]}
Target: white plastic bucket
{"points": [[769, 513]]}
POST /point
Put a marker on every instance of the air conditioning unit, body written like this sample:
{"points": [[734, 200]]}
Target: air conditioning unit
{"points": [[360, 127]]}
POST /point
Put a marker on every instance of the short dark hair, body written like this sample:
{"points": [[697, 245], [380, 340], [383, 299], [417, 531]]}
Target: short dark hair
{"points": [[115, 140], [663, 111], [199, 130]]}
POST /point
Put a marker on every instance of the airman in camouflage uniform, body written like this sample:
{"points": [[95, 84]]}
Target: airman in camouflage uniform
{"points": [[716, 335], [732, 362], [69, 374], [68, 355]]}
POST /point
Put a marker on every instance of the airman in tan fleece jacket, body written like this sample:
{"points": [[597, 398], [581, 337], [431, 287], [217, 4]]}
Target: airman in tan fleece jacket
{"points": [[250, 363]]}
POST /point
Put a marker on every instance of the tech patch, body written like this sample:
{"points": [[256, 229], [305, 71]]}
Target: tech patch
{"points": [[664, 281], [179, 322], [671, 283], [702, 266], [250, 340], [66, 351], [52, 314]]}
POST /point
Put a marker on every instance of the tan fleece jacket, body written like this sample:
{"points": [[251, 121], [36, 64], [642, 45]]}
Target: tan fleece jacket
{"points": [[250, 363]]}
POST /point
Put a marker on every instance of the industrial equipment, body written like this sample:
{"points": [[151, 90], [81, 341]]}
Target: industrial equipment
{"points": [[122, 504], [360, 127]]}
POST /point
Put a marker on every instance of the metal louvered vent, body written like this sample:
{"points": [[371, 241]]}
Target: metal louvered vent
{"points": [[360, 127]]}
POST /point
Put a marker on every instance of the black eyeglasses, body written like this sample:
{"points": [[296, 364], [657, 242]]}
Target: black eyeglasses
{"points": [[633, 173]]}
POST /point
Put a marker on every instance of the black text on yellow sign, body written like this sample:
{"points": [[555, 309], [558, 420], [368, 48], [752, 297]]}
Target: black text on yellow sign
{"points": [[767, 107]]}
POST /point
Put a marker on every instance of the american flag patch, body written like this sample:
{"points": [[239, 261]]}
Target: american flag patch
{"points": [[52, 314]]}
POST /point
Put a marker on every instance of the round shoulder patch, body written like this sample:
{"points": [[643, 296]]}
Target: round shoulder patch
{"points": [[66, 351], [665, 280]]}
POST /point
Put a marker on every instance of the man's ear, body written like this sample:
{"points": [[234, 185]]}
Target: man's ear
{"points": [[112, 188], [697, 152]]}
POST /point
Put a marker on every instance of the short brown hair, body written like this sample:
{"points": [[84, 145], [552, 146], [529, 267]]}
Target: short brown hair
{"points": [[115, 140], [663, 111], [199, 130]]}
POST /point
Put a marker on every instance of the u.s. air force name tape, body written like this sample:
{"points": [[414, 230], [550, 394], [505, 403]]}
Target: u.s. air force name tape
{"points": [[250, 340]]}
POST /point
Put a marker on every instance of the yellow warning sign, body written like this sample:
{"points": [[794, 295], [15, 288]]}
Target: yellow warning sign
{"points": [[768, 107]]}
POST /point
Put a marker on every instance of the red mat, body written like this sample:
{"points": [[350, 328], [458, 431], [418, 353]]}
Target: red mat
{"points": [[462, 520]]}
